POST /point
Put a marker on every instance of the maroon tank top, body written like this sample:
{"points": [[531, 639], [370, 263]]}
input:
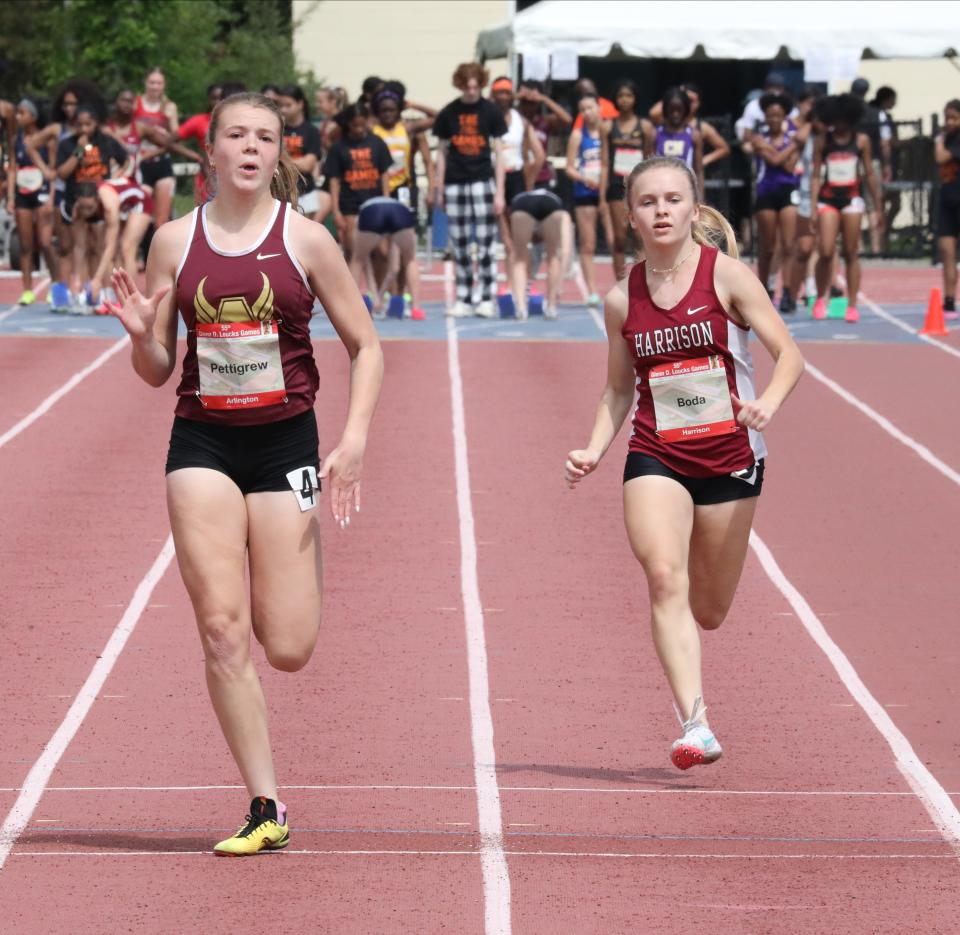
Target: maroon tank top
{"points": [[260, 290], [688, 360]]}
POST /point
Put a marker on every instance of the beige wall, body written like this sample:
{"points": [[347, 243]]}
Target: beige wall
{"points": [[419, 42], [923, 86]]}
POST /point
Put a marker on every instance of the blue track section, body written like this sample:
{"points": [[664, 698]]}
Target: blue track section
{"points": [[575, 323]]}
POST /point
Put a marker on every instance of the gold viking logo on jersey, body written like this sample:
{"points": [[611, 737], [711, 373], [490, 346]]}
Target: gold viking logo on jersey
{"points": [[235, 308]]}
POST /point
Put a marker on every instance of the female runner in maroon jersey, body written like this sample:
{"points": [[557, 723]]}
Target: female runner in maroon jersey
{"points": [[677, 326], [242, 478]]}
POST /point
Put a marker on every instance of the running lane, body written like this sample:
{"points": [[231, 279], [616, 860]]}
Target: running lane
{"points": [[33, 368], [792, 827], [875, 552], [376, 721]]}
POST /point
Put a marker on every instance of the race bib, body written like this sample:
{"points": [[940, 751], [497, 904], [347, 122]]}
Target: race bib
{"points": [[29, 180], [624, 160], [674, 148], [303, 482], [240, 365], [842, 169], [691, 399]]}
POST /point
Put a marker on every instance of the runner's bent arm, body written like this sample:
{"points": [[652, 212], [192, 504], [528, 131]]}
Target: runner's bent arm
{"points": [[744, 296], [815, 175], [334, 286], [151, 321], [721, 148], [617, 398]]}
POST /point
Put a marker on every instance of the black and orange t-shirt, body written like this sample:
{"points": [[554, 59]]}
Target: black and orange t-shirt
{"points": [[469, 128], [300, 141], [359, 164], [100, 156]]}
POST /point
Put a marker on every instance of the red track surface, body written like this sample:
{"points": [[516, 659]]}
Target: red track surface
{"points": [[806, 825]]}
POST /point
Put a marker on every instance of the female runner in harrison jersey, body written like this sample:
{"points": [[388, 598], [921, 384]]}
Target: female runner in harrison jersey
{"points": [[242, 470], [678, 327], [153, 108]]}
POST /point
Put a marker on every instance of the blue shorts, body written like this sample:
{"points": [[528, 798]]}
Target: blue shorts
{"points": [[384, 216]]}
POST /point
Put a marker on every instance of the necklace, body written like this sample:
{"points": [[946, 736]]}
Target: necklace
{"points": [[677, 265]]}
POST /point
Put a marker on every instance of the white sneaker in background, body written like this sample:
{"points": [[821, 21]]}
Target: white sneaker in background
{"points": [[458, 310], [486, 310]]}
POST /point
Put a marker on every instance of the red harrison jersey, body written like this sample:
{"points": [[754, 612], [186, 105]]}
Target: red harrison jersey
{"points": [[260, 284], [688, 359]]}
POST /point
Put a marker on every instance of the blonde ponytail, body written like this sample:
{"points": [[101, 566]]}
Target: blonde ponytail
{"points": [[714, 230], [283, 185]]}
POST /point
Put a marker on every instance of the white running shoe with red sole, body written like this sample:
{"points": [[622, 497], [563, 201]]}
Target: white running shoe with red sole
{"points": [[697, 746]]}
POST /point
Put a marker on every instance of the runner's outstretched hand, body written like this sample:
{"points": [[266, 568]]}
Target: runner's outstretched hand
{"points": [[342, 467], [136, 312]]}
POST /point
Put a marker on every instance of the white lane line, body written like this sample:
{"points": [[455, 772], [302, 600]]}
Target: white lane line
{"points": [[597, 320], [10, 311], [496, 876], [885, 424], [48, 403], [905, 326], [39, 775], [626, 855], [934, 797], [577, 790]]}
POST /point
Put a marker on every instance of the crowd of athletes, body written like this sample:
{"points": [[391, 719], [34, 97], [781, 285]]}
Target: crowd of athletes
{"points": [[514, 176]]}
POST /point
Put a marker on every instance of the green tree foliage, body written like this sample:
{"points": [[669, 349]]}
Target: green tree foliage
{"points": [[115, 42]]}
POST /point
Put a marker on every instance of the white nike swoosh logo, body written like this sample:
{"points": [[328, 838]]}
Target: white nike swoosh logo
{"points": [[693, 311], [266, 256]]}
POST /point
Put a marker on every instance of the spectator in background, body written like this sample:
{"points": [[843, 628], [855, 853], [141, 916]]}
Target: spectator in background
{"points": [[302, 141], [884, 101], [587, 162], [947, 155], [676, 136], [752, 116], [368, 91], [154, 109], [630, 138], [840, 158], [548, 119], [471, 186], [271, 91], [874, 127], [29, 198], [195, 128], [715, 147], [585, 87], [357, 166]]}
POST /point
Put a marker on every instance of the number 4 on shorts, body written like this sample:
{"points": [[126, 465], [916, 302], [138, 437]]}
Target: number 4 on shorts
{"points": [[303, 482]]}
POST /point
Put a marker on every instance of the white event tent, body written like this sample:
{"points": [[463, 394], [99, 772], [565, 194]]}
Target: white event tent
{"points": [[729, 30]]}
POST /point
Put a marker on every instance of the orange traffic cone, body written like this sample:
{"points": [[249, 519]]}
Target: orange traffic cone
{"points": [[934, 324]]}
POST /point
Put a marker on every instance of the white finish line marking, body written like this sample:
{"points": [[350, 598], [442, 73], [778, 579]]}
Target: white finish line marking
{"points": [[55, 396], [539, 790], [626, 855], [493, 862], [39, 775]]}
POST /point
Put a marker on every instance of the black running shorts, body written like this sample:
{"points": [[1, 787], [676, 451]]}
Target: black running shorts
{"points": [[704, 490], [256, 458], [539, 203]]}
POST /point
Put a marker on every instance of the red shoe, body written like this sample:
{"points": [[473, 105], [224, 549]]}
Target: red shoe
{"points": [[819, 309], [852, 316], [418, 314]]}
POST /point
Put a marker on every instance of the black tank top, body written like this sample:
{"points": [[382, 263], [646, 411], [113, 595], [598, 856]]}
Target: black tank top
{"points": [[841, 168]]}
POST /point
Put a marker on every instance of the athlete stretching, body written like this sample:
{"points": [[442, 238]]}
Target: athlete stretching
{"points": [[678, 327], [242, 470]]}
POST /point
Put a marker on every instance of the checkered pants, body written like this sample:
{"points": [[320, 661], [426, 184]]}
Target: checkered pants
{"points": [[470, 211]]}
